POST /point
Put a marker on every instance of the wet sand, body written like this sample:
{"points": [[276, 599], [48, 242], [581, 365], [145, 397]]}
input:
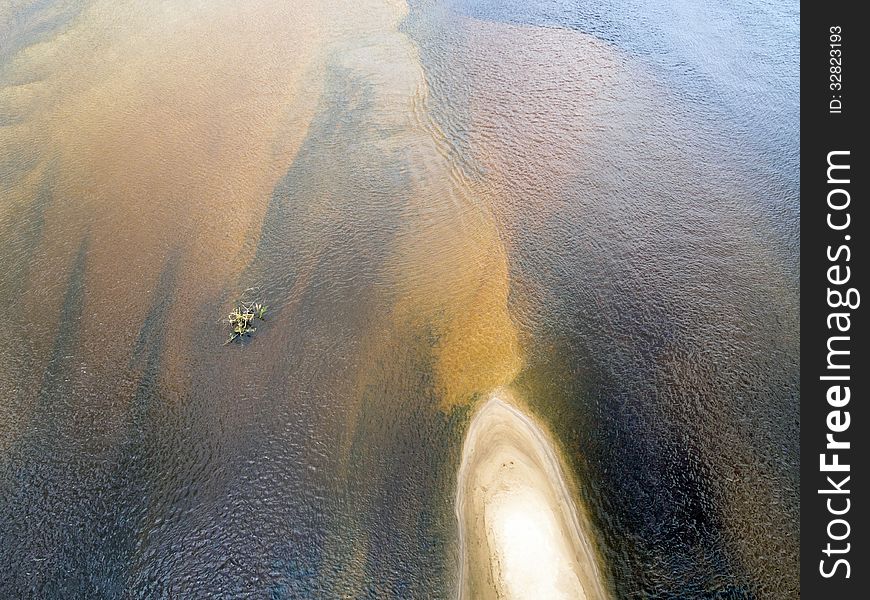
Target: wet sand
{"points": [[521, 535]]}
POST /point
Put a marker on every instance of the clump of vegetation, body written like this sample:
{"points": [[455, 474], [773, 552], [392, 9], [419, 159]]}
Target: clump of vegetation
{"points": [[241, 320]]}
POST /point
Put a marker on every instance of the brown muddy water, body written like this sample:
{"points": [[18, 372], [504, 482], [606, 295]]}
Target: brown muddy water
{"points": [[586, 204]]}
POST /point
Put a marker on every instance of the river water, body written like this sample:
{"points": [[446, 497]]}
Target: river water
{"points": [[593, 204]]}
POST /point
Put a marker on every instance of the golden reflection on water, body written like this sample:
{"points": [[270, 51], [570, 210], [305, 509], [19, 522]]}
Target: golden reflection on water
{"points": [[162, 130], [464, 302], [450, 266]]}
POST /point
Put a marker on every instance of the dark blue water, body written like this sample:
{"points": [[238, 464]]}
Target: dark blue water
{"points": [[646, 159], [736, 60]]}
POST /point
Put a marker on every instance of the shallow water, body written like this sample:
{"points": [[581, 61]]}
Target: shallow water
{"points": [[596, 205]]}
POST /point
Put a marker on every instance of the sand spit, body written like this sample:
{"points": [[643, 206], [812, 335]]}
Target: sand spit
{"points": [[521, 535]]}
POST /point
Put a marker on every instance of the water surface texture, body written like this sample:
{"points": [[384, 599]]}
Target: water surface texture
{"points": [[592, 206]]}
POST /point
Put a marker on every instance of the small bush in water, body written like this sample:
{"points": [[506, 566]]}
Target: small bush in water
{"points": [[241, 320]]}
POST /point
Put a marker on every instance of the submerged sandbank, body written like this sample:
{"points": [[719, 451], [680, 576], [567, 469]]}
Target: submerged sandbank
{"points": [[521, 535]]}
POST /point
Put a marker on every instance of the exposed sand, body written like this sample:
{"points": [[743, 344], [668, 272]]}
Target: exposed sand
{"points": [[521, 535]]}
